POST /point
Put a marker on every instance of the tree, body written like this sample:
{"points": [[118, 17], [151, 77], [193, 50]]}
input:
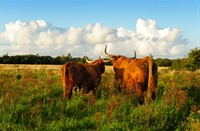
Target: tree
{"points": [[163, 62], [6, 59], [69, 57], [83, 60], [63, 59], [180, 64], [194, 58]]}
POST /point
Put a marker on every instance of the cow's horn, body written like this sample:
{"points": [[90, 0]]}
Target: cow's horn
{"points": [[106, 61], [134, 54], [108, 55], [89, 61]]}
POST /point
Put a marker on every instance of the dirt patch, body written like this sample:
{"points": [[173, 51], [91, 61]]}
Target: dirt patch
{"points": [[54, 67], [24, 66]]}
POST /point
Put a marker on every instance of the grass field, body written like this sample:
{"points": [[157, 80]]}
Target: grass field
{"points": [[31, 99]]}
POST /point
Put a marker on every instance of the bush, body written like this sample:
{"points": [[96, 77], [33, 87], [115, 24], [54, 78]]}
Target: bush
{"points": [[164, 62], [190, 63], [194, 58]]}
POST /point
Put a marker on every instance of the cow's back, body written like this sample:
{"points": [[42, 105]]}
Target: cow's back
{"points": [[136, 73], [83, 75], [77, 72]]}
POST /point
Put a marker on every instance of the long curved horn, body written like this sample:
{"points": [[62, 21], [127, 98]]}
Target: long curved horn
{"points": [[89, 61], [106, 61], [108, 55], [134, 54]]}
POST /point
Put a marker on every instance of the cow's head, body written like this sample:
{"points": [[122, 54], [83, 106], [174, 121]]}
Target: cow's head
{"points": [[100, 63], [119, 61]]}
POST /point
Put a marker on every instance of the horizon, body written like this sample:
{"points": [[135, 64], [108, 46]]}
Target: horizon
{"points": [[155, 58]]}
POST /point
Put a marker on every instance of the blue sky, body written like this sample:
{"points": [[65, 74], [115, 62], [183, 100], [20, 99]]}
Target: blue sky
{"points": [[181, 14]]}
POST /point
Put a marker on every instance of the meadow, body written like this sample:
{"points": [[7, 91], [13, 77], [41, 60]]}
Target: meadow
{"points": [[31, 99]]}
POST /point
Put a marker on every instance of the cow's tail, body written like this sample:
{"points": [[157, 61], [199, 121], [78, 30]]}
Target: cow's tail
{"points": [[152, 80], [67, 91], [63, 78]]}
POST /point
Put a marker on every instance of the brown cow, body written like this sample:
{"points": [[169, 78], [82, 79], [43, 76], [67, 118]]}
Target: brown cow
{"points": [[138, 75], [119, 62], [86, 76], [141, 75]]}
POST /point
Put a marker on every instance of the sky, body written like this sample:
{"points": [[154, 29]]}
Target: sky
{"points": [[162, 28]]}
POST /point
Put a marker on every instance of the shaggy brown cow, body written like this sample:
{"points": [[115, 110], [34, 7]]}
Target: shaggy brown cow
{"points": [[141, 75], [119, 62], [137, 75], [85, 76]]}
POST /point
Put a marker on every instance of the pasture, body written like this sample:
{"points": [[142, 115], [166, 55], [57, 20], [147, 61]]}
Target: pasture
{"points": [[31, 99]]}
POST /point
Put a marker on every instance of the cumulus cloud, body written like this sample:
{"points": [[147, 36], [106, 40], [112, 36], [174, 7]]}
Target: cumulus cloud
{"points": [[41, 37]]}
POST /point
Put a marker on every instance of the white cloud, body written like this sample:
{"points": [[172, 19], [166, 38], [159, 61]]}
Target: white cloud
{"points": [[74, 36], [147, 28], [98, 34], [45, 39]]}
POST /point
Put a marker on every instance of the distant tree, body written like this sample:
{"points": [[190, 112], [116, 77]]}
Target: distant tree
{"points": [[46, 59], [83, 60], [163, 62], [26, 60], [17, 59], [69, 57], [6, 59], [194, 58], [76, 59], [63, 59], [57, 60], [180, 63]]}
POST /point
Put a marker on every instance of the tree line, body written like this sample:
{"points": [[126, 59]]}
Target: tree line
{"points": [[192, 62], [37, 59]]}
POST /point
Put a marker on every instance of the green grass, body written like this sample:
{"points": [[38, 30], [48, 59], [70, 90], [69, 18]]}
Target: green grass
{"points": [[31, 99]]}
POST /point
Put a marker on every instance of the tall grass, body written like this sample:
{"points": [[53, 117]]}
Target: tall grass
{"points": [[31, 99]]}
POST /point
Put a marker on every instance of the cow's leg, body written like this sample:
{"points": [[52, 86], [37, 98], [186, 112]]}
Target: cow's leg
{"points": [[138, 88], [68, 90], [151, 95], [119, 85], [64, 90], [94, 90]]}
